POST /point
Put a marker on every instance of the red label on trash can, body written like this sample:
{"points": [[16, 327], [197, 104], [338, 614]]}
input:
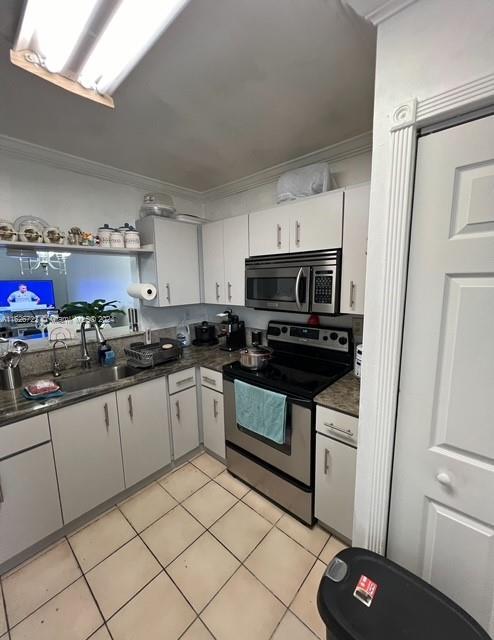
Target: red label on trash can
{"points": [[365, 590]]}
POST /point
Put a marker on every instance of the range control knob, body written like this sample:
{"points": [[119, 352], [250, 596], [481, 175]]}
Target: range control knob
{"points": [[343, 340], [284, 329], [325, 338], [333, 335]]}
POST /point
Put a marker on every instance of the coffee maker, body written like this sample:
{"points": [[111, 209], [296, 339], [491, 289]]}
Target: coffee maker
{"points": [[234, 331]]}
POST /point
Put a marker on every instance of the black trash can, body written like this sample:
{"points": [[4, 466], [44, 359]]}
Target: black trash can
{"points": [[363, 596]]}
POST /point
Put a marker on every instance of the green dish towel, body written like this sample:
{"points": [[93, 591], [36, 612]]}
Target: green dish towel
{"points": [[261, 411]]}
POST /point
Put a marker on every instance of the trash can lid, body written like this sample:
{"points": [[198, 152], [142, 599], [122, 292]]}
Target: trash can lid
{"points": [[363, 596]]}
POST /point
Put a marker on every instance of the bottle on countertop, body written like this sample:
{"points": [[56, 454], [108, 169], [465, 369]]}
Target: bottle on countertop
{"points": [[106, 355]]}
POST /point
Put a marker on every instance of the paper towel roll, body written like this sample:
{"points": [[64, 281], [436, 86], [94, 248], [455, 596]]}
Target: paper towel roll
{"points": [[142, 290]]}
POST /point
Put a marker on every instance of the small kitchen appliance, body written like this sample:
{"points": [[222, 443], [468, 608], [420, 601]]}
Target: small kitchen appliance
{"points": [[304, 361], [234, 331], [306, 282], [205, 335]]}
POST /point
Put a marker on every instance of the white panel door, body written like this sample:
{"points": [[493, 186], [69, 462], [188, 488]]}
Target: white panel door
{"points": [[316, 223], [236, 243], [144, 429], [185, 425], [269, 231], [88, 456], [442, 508], [29, 505], [354, 259], [214, 263], [335, 484], [177, 262], [213, 421]]}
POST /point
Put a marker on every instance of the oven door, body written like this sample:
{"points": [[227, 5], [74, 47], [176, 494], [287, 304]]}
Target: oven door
{"points": [[294, 456], [278, 288]]}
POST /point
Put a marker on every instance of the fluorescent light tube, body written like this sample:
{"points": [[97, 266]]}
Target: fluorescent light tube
{"points": [[131, 32]]}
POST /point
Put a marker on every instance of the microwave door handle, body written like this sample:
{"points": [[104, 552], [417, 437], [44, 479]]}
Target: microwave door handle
{"points": [[297, 288]]}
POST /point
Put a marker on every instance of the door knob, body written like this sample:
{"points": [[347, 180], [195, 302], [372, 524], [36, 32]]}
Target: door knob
{"points": [[444, 479]]}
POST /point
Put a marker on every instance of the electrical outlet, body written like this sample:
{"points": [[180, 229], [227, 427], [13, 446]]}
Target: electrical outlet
{"points": [[358, 327]]}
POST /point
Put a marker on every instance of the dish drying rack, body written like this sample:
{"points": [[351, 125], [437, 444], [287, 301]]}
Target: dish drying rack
{"points": [[143, 355]]}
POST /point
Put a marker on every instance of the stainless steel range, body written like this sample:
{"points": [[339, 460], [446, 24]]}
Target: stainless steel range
{"points": [[306, 360]]}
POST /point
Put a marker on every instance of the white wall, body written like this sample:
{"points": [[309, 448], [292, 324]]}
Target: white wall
{"points": [[429, 47]]}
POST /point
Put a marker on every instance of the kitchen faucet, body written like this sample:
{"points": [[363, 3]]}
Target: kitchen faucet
{"points": [[56, 364], [85, 357]]}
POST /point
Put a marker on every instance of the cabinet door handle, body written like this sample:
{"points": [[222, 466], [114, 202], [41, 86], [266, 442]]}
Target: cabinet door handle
{"points": [[177, 410], [326, 461], [297, 233], [184, 380], [1, 494], [209, 380], [217, 291], [168, 298], [278, 236], [352, 294], [347, 432], [215, 408], [131, 408], [229, 291], [107, 416]]}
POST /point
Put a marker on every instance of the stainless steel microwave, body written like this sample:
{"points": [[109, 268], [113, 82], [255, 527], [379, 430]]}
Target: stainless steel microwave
{"points": [[301, 282]]}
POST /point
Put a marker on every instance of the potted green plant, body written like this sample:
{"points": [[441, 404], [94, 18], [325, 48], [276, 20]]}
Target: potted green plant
{"points": [[99, 311]]}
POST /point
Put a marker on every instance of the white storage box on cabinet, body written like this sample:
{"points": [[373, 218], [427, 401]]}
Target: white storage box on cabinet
{"points": [[213, 421], [88, 455], [309, 224], [354, 259], [29, 501], [174, 266], [144, 429]]}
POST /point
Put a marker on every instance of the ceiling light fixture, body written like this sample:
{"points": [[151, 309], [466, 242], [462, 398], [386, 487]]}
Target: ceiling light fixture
{"points": [[90, 46]]}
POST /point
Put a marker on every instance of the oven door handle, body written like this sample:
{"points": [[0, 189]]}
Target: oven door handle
{"points": [[297, 288]]}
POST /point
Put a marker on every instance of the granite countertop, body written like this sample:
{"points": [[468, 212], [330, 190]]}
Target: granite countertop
{"points": [[14, 407], [343, 395]]}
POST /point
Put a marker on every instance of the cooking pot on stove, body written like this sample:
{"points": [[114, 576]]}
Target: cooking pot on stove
{"points": [[255, 358]]}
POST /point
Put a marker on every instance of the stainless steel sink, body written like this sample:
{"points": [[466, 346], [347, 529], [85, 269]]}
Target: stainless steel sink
{"points": [[95, 378]]}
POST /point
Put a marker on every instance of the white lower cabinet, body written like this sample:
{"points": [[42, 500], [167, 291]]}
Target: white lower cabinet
{"points": [[213, 421], [88, 456], [29, 502], [335, 484], [144, 429], [185, 426]]}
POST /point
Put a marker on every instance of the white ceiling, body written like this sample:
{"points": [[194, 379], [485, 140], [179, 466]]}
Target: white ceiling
{"points": [[232, 87]]}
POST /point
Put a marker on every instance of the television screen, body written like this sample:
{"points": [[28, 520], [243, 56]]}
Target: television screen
{"points": [[23, 295]]}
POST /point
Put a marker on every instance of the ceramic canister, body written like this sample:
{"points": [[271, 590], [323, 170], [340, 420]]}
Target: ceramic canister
{"points": [[116, 240], [132, 239], [104, 234]]}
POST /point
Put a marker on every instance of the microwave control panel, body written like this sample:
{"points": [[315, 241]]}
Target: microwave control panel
{"points": [[323, 287]]}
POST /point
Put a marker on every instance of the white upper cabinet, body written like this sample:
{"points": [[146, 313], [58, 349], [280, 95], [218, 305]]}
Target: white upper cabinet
{"points": [[174, 266], [354, 260], [225, 246], [311, 224], [214, 263], [269, 231], [316, 223], [236, 243]]}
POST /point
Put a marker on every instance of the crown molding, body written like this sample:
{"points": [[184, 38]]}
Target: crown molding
{"points": [[334, 153], [377, 11], [36, 153]]}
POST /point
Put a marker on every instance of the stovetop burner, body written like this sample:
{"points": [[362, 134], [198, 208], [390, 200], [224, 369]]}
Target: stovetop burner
{"points": [[305, 360]]}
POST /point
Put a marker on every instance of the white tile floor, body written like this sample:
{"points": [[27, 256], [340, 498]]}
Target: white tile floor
{"points": [[195, 556]]}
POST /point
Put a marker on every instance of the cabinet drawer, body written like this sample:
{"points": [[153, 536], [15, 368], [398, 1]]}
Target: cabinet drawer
{"points": [[182, 380], [212, 379], [336, 424], [23, 435]]}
